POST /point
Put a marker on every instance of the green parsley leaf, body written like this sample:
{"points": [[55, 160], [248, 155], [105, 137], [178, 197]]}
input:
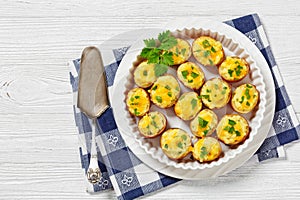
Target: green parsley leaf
{"points": [[231, 130], [137, 97], [194, 75], [184, 73], [170, 94], [227, 128], [166, 146], [167, 41], [242, 100], [179, 145], [231, 122], [158, 98], [150, 42], [145, 72], [206, 53], [205, 132], [194, 103], [230, 71], [203, 152], [136, 112], [237, 133], [202, 122], [213, 50], [247, 93], [167, 58], [160, 69], [205, 44]]}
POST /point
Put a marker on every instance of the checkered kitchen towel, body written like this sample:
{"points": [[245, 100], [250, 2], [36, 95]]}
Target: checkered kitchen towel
{"points": [[128, 176]]}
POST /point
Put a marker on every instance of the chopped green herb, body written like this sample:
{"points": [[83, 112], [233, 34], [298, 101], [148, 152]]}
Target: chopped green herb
{"points": [[211, 62], [224, 88], [216, 86], [177, 88], [183, 51], [182, 97], [167, 87], [247, 103], [237, 133], [230, 71], [136, 112], [231, 130], [198, 50], [150, 42], [208, 90], [190, 81], [194, 103], [247, 93], [205, 132], [184, 73], [213, 49], [154, 123], [227, 128], [137, 97], [184, 137], [205, 44], [159, 99], [131, 99], [203, 152], [242, 100], [160, 69], [145, 72], [223, 91], [231, 122], [177, 51], [154, 87], [206, 53], [170, 94], [166, 146], [179, 145], [238, 70], [249, 86], [202, 122], [194, 75], [205, 96]]}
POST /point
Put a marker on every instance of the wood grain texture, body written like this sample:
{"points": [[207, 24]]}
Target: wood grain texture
{"points": [[38, 141]]}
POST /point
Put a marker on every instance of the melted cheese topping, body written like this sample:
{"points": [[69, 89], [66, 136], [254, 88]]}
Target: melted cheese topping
{"points": [[190, 75], [204, 123], [207, 149], [215, 93], [232, 129], [165, 91], [188, 106], [175, 143], [138, 102], [144, 75], [245, 98], [181, 52], [152, 124], [208, 51], [233, 69]]}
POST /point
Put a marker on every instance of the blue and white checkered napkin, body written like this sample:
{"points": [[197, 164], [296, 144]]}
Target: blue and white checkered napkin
{"points": [[125, 173]]}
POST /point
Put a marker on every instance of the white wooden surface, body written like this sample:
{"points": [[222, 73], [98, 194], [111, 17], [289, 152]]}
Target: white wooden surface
{"points": [[38, 142]]}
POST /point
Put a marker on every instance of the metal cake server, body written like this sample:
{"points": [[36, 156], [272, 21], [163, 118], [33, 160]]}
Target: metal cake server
{"points": [[92, 99]]}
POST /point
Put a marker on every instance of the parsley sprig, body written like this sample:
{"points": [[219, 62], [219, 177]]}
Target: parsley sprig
{"points": [[157, 51]]}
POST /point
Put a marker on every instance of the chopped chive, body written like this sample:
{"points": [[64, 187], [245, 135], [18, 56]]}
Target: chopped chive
{"points": [[211, 62], [205, 96], [184, 137], [136, 112], [166, 146], [154, 123], [203, 152], [131, 99], [177, 88], [205, 132], [247, 103], [226, 128], [170, 94], [183, 51], [190, 81], [154, 87], [216, 86], [231, 130], [208, 90], [237, 133], [177, 51], [247, 93], [249, 86], [137, 97]]}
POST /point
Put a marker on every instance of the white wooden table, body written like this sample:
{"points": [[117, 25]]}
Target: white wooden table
{"points": [[38, 141]]}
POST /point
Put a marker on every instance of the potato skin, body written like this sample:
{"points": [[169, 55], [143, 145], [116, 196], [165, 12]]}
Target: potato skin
{"points": [[234, 80], [237, 140], [160, 130], [188, 149], [246, 111]]}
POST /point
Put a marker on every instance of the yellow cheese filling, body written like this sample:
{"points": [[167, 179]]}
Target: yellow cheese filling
{"points": [[188, 105], [144, 75], [152, 123], [204, 123], [245, 98], [181, 51], [207, 149]]}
